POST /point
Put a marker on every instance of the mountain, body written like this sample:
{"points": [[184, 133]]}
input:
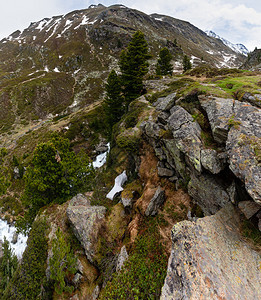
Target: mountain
{"points": [[172, 206], [66, 59], [253, 61], [239, 48]]}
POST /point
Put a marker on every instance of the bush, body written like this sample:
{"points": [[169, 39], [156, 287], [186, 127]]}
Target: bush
{"points": [[29, 278], [62, 264], [143, 273], [56, 173], [8, 266]]}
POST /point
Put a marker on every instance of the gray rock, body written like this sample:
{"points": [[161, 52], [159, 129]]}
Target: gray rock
{"points": [[127, 201], [156, 201], [86, 222], [232, 192], [152, 130], [173, 179], [249, 208], [80, 199], [253, 99], [186, 134], [77, 279], [211, 260], [95, 293], [16, 173], [123, 256], [212, 161], [175, 157], [219, 112], [208, 193], [166, 103], [244, 147], [15, 238], [163, 117], [164, 172], [75, 297], [159, 153]]}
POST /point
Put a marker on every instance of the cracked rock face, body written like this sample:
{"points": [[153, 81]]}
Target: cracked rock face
{"points": [[238, 125], [186, 133], [219, 111], [210, 260], [86, 222], [244, 148], [208, 193]]}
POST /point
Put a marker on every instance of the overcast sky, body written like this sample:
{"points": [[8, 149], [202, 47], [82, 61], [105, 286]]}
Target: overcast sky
{"points": [[239, 21]]}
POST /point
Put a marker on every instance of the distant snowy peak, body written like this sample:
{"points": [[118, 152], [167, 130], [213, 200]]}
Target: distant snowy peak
{"points": [[239, 48]]}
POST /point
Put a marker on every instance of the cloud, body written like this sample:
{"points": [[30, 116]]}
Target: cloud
{"points": [[17, 14], [237, 21]]}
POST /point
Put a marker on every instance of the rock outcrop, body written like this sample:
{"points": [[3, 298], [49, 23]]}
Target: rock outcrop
{"points": [[183, 155], [210, 260], [156, 201], [86, 223]]}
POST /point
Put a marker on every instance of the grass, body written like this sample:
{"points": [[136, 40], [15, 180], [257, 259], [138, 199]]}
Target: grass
{"points": [[231, 84]]}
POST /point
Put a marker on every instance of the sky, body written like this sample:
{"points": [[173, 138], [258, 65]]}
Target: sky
{"points": [[238, 21]]}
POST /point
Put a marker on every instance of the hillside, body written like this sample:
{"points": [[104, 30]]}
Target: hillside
{"points": [[65, 59], [164, 204], [253, 61]]}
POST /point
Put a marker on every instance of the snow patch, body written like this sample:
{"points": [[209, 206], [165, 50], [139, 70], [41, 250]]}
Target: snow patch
{"points": [[46, 69], [101, 158], [56, 70], [159, 19], [239, 48], [41, 25], [210, 52], [8, 231], [119, 181]]}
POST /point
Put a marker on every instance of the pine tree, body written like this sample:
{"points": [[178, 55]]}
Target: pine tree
{"points": [[186, 64], [164, 67], [113, 104], [134, 66]]}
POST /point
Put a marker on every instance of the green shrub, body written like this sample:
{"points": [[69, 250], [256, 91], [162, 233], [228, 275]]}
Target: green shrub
{"points": [[56, 173], [143, 273], [29, 278], [62, 264], [8, 266]]}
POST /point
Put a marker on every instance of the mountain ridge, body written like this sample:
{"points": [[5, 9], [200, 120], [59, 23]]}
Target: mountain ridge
{"points": [[69, 57], [240, 48]]}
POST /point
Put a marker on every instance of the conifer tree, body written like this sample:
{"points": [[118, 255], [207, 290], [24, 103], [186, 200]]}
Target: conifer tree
{"points": [[186, 64], [134, 66], [114, 101], [164, 67]]}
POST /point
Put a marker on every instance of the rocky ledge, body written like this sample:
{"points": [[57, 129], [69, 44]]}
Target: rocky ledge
{"points": [[211, 260], [229, 169]]}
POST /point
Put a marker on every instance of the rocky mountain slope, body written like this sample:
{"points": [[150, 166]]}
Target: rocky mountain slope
{"points": [[190, 149], [184, 160], [253, 61], [65, 59]]}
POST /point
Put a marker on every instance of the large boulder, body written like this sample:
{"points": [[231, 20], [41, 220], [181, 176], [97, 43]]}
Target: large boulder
{"points": [[86, 223], [219, 112], [165, 103], [244, 148], [213, 161], [208, 193], [211, 260], [187, 135]]}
